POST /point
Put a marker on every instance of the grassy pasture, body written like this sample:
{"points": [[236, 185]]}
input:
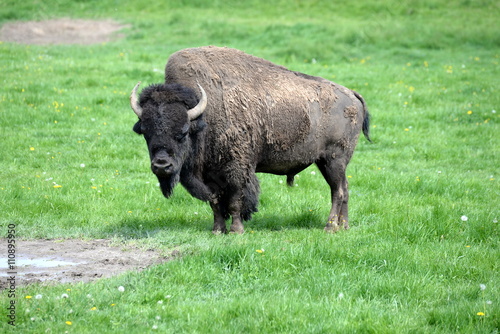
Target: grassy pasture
{"points": [[424, 197]]}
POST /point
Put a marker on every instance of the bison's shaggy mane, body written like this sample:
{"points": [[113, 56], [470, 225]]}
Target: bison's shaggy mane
{"points": [[168, 94]]}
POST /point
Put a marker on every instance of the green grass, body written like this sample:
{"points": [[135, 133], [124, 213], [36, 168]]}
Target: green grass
{"points": [[429, 71]]}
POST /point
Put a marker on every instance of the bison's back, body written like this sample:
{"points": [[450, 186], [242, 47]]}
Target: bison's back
{"points": [[251, 100]]}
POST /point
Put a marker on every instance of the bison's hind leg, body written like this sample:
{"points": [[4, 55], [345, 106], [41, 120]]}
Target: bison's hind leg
{"points": [[334, 173], [290, 176]]}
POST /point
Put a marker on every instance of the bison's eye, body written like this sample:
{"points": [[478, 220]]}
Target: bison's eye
{"points": [[181, 136], [184, 131]]}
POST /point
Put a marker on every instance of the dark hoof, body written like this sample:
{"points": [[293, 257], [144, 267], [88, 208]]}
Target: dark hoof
{"points": [[331, 228], [219, 230], [237, 229]]}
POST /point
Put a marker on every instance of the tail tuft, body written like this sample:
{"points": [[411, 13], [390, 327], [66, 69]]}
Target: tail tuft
{"points": [[366, 126], [366, 119]]}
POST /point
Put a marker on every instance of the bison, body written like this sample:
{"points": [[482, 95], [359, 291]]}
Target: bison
{"points": [[222, 115]]}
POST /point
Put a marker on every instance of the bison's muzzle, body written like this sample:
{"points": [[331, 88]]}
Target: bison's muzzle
{"points": [[162, 165]]}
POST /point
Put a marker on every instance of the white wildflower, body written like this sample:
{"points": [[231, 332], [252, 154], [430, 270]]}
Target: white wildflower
{"points": [[464, 218], [482, 287], [121, 288]]}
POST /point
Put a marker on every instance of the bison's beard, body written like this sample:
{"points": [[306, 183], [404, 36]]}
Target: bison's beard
{"points": [[167, 184]]}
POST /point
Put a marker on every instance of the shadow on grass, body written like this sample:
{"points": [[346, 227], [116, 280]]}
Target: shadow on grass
{"points": [[135, 227], [275, 222]]}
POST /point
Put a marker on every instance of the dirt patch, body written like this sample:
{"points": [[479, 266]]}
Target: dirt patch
{"points": [[61, 31], [71, 261]]}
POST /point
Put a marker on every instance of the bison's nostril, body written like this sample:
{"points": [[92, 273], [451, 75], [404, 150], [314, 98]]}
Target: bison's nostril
{"points": [[161, 166]]}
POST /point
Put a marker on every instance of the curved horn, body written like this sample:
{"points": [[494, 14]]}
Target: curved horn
{"points": [[200, 107], [133, 101]]}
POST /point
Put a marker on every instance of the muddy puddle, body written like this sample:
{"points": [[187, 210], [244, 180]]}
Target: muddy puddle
{"points": [[69, 261]]}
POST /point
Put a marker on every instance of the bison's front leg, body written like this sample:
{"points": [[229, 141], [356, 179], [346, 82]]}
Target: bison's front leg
{"points": [[219, 221], [235, 204], [237, 225]]}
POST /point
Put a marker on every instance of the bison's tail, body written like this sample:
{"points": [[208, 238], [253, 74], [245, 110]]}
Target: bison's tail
{"points": [[366, 119], [366, 126]]}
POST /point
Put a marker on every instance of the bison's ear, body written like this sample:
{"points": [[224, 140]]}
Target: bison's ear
{"points": [[137, 128], [197, 125]]}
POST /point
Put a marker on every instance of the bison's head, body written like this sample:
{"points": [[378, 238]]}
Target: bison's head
{"points": [[169, 118]]}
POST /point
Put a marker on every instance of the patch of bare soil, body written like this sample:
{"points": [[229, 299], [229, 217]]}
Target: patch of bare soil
{"points": [[61, 31], [71, 261]]}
